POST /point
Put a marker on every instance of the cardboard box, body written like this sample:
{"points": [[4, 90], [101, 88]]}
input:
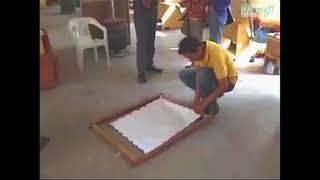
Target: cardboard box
{"points": [[273, 46], [170, 19], [162, 8]]}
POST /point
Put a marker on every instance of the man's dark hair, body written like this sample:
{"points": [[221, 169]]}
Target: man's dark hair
{"points": [[188, 45]]}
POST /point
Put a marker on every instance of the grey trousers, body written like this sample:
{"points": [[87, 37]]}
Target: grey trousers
{"points": [[195, 28], [145, 26]]}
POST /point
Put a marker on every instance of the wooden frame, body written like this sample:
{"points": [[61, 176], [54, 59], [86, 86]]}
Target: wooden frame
{"points": [[132, 153]]}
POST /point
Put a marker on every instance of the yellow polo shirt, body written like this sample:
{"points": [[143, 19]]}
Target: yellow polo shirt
{"points": [[220, 61]]}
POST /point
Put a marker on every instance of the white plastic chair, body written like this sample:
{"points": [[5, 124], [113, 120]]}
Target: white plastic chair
{"points": [[79, 30]]}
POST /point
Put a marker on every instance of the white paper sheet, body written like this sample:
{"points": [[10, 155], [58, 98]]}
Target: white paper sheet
{"points": [[155, 123]]}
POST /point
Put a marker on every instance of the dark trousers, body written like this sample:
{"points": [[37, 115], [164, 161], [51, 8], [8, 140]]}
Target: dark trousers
{"points": [[207, 84], [145, 26]]}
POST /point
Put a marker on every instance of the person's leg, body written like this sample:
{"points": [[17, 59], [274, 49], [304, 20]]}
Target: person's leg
{"points": [[207, 84], [150, 36], [152, 27], [188, 77], [141, 44], [184, 27], [230, 87], [215, 27], [196, 28], [186, 30]]}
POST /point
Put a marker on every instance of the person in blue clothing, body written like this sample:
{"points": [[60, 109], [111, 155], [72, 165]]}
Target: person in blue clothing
{"points": [[217, 18]]}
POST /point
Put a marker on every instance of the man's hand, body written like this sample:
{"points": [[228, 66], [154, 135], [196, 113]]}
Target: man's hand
{"points": [[200, 106], [147, 3], [197, 101]]}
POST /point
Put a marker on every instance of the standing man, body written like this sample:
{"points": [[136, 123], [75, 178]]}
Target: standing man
{"points": [[145, 22], [217, 17]]}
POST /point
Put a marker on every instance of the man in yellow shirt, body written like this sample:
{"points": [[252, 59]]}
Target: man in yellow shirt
{"points": [[213, 73]]}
